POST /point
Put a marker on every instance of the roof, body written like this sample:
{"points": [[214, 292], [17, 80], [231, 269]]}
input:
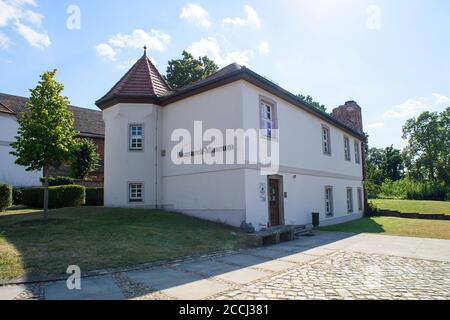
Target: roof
{"points": [[229, 74], [5, 109], [88, 122], [142, 82]]}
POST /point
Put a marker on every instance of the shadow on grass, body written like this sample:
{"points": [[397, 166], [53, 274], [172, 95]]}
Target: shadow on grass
{"points": [[365, 225]]}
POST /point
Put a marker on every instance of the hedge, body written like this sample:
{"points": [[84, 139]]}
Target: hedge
{"points": [[59, 197], [413, 190], [5, 197], [59, 181], [94, 197], [17, 196]]}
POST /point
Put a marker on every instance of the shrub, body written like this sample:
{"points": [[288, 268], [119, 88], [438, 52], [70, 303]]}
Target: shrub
{"points": [[59, 197], [94, 197], [5, 197], [17, 196], [59, 181], [413, 190]]}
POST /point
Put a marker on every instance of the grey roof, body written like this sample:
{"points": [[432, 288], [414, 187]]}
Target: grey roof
{"points": [[88, 122]]}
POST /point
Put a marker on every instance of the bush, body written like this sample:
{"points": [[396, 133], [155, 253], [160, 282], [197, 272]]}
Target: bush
{"points": [[412, 190], [59, 197], [5, 197], [58, 181], [17, 196], [94, 197]]}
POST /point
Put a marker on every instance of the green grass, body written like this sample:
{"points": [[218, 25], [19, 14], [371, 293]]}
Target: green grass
{"points": [[97, 238], [411, 206], [396, 226]]}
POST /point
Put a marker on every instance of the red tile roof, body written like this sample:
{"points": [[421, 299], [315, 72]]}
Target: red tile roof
{"points": [[142, 81]]}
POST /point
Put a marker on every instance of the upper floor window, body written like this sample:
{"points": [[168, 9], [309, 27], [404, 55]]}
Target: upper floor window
{"points": [[136, 137], [349, 200], [347, 149], [326, 141], [357, 152], [267, 118], [136, 192], [329, 201]]}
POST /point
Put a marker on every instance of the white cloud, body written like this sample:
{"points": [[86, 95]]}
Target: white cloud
{"points": [[413, 107], [252, 19], [4, 41], [210, 47], [104, 50], [34, 38], [440, 99], [376, 125], [154, 40], [196, 14], [264, 48], [13, 12]]}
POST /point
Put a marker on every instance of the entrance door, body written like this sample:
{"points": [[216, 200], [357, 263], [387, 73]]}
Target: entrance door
{"points": [[274, 202]]}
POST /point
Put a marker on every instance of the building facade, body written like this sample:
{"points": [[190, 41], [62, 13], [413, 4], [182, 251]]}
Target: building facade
{"points": [[88, 122], [319, 164]]}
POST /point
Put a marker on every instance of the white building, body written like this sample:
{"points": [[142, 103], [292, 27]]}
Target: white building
{"points": [[320, 162], [88, 122]]}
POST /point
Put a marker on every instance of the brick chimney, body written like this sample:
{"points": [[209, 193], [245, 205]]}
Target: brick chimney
{"points": [[349, 114]]}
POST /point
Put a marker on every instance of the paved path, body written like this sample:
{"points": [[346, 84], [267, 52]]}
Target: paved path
{"points": [[326, 266]]}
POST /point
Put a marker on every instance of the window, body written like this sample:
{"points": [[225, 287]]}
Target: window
{"points": [[329, 201], [136, 137], [136, 191], [326, 140], [347, 149], [357, 152], [349, 200], [267, 118], [360, 199]]}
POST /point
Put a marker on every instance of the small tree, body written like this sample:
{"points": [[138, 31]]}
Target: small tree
{"points": [[85, 158], [182, 72], [46, 134]]}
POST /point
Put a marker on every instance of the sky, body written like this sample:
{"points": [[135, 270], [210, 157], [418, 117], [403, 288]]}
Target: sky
{"points": [[392, 57]]}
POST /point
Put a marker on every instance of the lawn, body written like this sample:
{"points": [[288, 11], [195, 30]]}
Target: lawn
{"points": [[411, 206], [97, 238], [396, 226]]}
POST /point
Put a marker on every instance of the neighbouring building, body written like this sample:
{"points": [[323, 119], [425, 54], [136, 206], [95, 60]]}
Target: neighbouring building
{"points": [[321, 155], [88, 122]]}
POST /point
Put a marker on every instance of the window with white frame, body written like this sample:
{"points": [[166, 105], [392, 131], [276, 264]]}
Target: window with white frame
{"points": [[267, 118], [136, 192], [349, 200], [329, 201], [347, 149], [136, 137], [357, 152], [326, 141], [360, 199]]}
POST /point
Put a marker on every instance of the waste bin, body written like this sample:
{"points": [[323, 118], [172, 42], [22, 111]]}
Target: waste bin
{"points": [[316, 219]]}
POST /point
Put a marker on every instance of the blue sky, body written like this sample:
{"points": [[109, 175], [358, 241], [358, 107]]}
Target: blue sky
{"points": [[392, 57]]}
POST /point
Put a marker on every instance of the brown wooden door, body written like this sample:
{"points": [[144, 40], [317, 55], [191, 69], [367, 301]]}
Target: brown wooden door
{"points": [[274, 203]]}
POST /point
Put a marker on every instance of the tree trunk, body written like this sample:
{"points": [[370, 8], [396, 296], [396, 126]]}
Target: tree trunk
{"points": [[45, 195]]}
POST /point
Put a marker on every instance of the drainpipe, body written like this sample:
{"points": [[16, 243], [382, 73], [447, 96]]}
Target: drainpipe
{"points": [[156, 156]]}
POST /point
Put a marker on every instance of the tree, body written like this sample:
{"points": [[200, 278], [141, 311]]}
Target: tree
{"points": [[85, 158], [309, 100], [384, 164], [182, 72], [46, 134], [427, 154]]}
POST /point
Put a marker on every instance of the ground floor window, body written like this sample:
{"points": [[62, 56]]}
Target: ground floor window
{"points": [[136, 192], [360, 199], [329, 201], [349, 200]]}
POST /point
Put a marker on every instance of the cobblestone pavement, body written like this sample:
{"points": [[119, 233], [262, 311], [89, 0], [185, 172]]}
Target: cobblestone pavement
{"points": [[352, 276], [324, 267]]}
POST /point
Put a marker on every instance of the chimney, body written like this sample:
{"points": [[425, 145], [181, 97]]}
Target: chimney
{"points": [[350, 114]]}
